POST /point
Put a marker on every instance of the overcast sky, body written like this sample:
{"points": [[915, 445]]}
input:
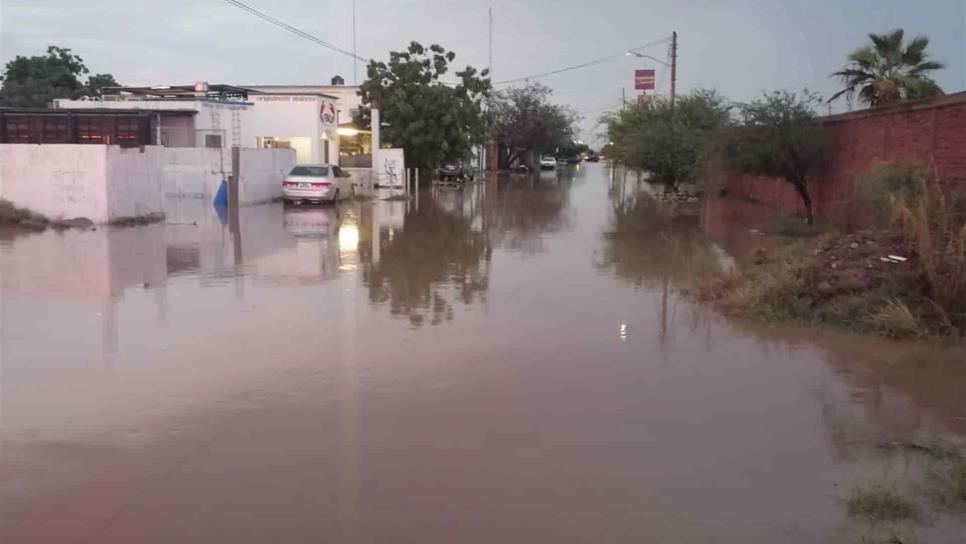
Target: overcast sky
{"points": [[740, 47]]}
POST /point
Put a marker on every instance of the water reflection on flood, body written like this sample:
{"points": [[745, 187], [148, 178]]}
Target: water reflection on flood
{"points": [[509, 362]]}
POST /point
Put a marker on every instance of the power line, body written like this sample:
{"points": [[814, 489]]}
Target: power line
{"points": [[294, 30], [594, 62]]}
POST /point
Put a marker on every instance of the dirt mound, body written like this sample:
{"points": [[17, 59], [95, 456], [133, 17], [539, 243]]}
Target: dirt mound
{"points": [[864, 261]]}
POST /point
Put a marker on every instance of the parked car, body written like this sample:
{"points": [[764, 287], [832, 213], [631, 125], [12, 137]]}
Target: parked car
{"points": [[563, 162], [455, 171], [317, 183], [593, 158], [521, 168], [547, 162]]}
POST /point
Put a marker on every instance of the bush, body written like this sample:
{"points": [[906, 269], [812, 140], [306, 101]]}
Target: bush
{"points": [[881, 502], [910, 199]]}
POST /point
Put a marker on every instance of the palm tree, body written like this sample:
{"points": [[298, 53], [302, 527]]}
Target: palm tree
{"points": [[889, 70]]}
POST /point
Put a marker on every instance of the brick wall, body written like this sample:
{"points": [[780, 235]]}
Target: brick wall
{"points": [[930, 132]]}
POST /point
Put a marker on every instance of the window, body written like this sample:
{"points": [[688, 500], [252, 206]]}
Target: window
{"points": [[316, 171], [18, 129], [94, 130], [56, 130], [129, 131], [213, 140]]}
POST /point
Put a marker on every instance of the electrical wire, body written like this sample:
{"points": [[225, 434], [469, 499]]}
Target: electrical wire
{"points": [[294, 30], [593, 62]]}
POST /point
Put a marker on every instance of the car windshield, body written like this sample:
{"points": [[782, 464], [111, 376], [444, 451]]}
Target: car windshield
{"points": [[310, 171]]}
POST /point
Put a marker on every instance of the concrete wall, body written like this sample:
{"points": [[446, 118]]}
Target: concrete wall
{"points": [[57, 180], [262, 172], [931, 132], [133, 185], [296, 116], [194, 172], [106, 183]]}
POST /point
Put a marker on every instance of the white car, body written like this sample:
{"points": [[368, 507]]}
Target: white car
{"points": [[317, 183], [548, 163]]}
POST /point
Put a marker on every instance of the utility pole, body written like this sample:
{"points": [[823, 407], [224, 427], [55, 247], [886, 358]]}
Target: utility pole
{"points": [[355, 59], [489, 63], [623, 102], [674, 66]]}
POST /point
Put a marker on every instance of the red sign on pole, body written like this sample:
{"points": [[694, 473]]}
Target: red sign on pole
{"points": [[644, 80]]}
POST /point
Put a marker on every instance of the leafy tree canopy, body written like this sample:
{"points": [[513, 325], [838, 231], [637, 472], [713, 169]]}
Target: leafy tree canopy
{"points": [[777, 137], [431, 120], [36, 81], [889, 69], [669, 141], [524, 120]]}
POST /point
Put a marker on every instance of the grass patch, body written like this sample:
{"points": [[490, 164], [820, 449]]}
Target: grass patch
{"points": [[894, 319], [137, 221], [794, 226], [397, 198], [946, 481], [21, 217], [881, 502]]}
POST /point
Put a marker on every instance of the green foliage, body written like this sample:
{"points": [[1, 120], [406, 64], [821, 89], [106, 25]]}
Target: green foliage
{"points": [[524, 120], [881, 502], [36, 81], [946, 481], [888, 70], [431, 120], [777, 137], [669, 141]]}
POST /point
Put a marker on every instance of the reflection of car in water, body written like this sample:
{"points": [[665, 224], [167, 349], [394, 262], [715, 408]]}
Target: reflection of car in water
{"points": [[317, 183], [312, 222]]}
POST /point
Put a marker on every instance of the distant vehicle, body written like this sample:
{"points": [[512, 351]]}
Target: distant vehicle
{"points": [[521, 169], [563, 162], [455, 171], [317, 183], [548, 163], [593, 158]]}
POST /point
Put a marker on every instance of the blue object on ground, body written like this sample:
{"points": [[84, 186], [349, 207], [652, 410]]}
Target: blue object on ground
{"points": [[222, 213], [221, 197]]}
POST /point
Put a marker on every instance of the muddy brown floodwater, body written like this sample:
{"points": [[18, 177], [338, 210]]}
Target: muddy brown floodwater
{"points": [[507, 363]]}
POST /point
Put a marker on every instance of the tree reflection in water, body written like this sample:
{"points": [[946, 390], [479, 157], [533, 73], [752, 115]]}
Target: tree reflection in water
{"points": [[648, 244], [522, 209], [437, 259]]}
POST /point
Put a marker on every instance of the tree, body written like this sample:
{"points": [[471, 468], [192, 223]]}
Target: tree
{"points": [[98, 82], [889, 70], [36, 81], [669, 141], [777, 137], [431, 120], [524, 120]]}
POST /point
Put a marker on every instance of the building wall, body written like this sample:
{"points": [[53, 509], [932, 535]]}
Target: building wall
{"points": [[194, 171], [60, 181], [106, 183], [133, 182], [296, 116], [262, 172], [932, 133]]}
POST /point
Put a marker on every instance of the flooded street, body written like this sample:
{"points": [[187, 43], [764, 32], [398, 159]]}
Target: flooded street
{"points": [[512, 362]]}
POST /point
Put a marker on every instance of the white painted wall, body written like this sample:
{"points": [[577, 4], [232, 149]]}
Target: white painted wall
{"points": [[105, 183], [262, 172], [296, 116], [194, 171], [133, 184], [60, 181]]}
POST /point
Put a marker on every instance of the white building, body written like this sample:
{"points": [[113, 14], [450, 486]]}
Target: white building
{"points": [[304, 121]]}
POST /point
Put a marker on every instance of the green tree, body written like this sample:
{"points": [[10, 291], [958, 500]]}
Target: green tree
{"points": [[777, 137], [669, 141], [431, 120], [98, 82], [888, 70], [36, 81], [524, 121]]}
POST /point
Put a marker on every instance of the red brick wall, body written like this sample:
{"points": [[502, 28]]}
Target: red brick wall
{"points": [[930, 132]]}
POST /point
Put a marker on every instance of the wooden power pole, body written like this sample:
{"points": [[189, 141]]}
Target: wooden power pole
{"points": [[674, 66]]}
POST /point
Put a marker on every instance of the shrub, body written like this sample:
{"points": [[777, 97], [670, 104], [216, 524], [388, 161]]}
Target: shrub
{"points": [[881, 502]]}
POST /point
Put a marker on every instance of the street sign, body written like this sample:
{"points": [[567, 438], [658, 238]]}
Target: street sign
{"points": [[644, 80]]}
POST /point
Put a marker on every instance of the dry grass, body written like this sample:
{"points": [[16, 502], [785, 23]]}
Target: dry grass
{"points": [[895, 320], [946, 481], [910, 199], [881, 502]]}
